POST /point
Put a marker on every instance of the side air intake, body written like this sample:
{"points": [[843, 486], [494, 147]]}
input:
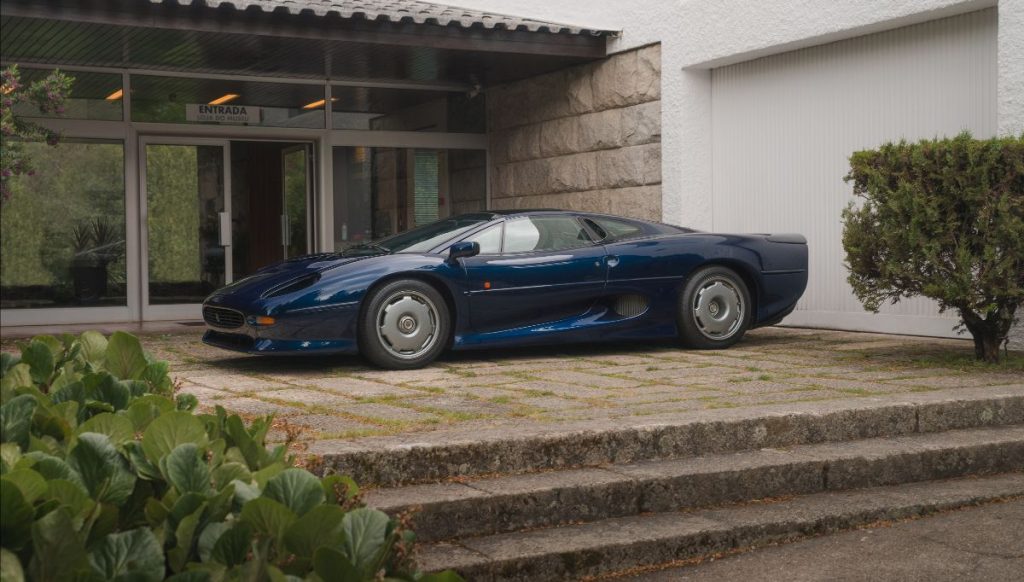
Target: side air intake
{"points": [[630, 305]]}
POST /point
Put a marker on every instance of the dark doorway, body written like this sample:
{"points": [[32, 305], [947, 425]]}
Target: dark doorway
{"points": [[271, 191]]}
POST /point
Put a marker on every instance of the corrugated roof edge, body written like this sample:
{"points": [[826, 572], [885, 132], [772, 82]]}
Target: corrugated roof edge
{"points": [[398, 12]]}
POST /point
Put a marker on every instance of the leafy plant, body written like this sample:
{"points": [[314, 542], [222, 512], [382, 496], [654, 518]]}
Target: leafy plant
{"points": [[104, 475], [48, 95], [942, 219], [96, 241]]}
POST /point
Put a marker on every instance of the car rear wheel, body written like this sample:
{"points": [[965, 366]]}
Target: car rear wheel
{"points": [[714, 309], [405, 325]]}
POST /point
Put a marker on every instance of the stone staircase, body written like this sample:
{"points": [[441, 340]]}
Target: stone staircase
{"points": [[587, 502]]}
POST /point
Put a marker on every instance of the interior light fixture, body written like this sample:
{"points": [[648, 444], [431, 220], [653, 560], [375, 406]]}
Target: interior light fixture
{"points": [[115, 95], [225, 98], [318, 103]]}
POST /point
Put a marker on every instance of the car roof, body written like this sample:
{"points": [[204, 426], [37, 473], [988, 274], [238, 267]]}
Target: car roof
{"points": [[651, 224], [497, 213]]}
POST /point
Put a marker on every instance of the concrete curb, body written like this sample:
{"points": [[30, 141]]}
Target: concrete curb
{"points": [[511, 503], [618, 544], [426, 457]]}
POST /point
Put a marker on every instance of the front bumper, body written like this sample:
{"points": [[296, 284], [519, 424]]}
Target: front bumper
{"points": [[255, 345], [320, 331]]}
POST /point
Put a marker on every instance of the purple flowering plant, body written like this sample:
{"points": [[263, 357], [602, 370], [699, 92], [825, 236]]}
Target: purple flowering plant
{"points": [[49, 96]]}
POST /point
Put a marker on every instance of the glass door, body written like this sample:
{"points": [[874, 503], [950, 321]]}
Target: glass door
{"points": [[296, 189], [186, 238]]}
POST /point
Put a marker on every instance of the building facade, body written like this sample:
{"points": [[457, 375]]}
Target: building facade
{"points": [[761, 104], [245, 132]]}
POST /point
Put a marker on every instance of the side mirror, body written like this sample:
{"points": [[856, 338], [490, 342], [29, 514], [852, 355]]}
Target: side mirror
{"points": [[463, 249]]}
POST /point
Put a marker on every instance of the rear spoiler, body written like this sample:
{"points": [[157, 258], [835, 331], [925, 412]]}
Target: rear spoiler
{"points": [[787, 238]]}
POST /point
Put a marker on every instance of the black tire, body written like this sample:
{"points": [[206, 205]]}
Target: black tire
{"points": [[395, 318], [707, 311]]}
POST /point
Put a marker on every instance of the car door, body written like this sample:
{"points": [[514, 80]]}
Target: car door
{"points": [[547, 269]]}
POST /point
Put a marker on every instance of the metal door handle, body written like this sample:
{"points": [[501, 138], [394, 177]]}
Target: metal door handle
{"points": [[225, 229], [612, 260]]}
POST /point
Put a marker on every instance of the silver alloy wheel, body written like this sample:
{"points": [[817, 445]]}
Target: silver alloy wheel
{"points": [[718, 309], [407, 324]]}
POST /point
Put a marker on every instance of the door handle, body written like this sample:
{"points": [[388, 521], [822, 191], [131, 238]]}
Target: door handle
{"points": [[225, 228], [612, 260]]}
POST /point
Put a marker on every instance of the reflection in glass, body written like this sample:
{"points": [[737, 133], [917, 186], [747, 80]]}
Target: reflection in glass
{"points": [[184, 196], [379, 192], [93, 95], [489, 240], [387, 109], [177, 100], [295, 180], [62, 232]]}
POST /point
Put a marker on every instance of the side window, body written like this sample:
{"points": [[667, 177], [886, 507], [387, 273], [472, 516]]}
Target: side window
{"points": [[616, 229], [489, 239], [544, 233]]}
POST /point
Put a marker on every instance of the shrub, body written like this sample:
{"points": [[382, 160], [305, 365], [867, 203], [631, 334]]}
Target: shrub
{"points": [[104, 475], [942, 219]]}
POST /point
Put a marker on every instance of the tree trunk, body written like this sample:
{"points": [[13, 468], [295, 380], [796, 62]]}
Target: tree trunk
{"points": [[988, 333], [986, 346]]}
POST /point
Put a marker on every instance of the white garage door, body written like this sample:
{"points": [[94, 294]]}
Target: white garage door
{"points": [[785, 125]]}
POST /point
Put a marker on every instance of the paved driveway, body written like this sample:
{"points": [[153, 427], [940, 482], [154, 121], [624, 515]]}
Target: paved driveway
{"points": [[341, 397]]}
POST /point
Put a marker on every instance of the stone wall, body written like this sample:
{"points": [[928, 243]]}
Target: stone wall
{"points": [[583, 138]]}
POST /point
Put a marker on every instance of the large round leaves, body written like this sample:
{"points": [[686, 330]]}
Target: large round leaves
{"points": [[104, 471], [296, 489], [168, 431]]}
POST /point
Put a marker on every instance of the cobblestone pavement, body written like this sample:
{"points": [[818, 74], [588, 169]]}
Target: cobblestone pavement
{"points": [[341, 397]]}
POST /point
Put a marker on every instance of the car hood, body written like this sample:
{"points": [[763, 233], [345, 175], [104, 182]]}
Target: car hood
{"points": [[256, 285]]}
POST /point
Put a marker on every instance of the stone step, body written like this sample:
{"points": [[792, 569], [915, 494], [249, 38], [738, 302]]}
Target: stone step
{"points": [[446, 454], [622, 543], [509, 503]]}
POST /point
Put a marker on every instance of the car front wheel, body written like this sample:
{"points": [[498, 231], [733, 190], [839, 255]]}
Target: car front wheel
{"points": [[405, 325], [714, 309]]}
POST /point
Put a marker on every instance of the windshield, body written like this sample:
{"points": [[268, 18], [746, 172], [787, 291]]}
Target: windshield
{"points": [[424, 238]]}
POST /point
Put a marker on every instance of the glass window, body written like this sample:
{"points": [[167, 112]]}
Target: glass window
{"points": [[219, 102], [184, 196], [93, 95], [544, 233], [380, 192], [386, 109], [489, 240], [613, 229], [62, 231]]}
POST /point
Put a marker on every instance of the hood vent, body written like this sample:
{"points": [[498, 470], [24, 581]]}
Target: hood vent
{"points": [[293, 285]]}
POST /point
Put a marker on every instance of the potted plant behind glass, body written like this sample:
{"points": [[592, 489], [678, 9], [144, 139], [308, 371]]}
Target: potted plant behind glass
{"points": [[96, 244]]}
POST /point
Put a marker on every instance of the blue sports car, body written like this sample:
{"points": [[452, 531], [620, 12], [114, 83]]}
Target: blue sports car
{"points": [[515, 278]]}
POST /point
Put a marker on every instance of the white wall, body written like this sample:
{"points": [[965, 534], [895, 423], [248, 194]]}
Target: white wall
{"points": [[784, 127]]}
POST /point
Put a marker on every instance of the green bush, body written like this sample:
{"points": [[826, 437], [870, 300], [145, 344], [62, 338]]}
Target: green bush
{"points": [[942, 219], [104, 475]]}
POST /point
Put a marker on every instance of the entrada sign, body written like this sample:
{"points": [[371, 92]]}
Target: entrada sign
{"points": [[222, 113]]}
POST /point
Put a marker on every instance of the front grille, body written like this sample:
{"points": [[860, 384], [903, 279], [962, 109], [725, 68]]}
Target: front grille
{"points": [[222, 317]]}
